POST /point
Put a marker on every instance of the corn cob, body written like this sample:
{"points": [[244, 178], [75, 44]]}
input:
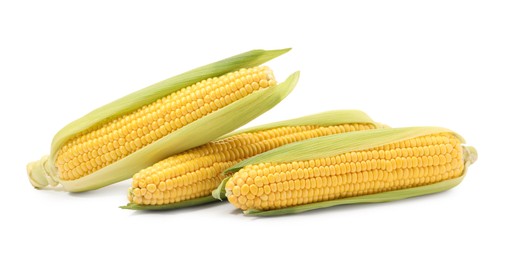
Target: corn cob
{"points": [[359, 167], [113, 142], [188, 179]]}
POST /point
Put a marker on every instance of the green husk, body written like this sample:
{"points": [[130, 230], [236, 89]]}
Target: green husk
{"points": [[347, 142], [328, 118], [177, 205], [43, 172], [220, 193]]}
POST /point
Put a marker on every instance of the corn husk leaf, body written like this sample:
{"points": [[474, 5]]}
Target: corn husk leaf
{"points": [[177, 205], [197, 133]]}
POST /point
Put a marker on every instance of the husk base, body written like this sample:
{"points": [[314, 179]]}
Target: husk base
{"points": [[40, 173]]}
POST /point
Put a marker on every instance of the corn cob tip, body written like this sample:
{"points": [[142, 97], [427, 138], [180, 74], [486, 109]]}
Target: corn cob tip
{"points": [[39, 174]]}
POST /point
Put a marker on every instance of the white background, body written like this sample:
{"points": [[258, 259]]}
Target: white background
{"points": [[406, 63]]}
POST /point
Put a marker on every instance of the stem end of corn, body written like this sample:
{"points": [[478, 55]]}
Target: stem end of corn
{"points": [[39, 173], [470, 154]]}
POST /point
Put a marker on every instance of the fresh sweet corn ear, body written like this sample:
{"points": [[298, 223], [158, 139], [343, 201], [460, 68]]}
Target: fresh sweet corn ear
{"points": [[95, 149], [113, 142], [189, 178], [359, 167]]}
